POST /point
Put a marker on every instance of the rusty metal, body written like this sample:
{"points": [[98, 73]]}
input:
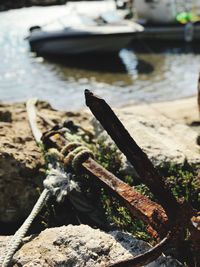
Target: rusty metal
{"points": [[179, 213], [148, 174], [147, 257], [169, 219], [195, 237], [140, 206]]}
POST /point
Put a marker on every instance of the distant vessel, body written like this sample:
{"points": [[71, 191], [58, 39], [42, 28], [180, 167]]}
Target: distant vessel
{"points": [[156, 11], [189, 32], [168, 20], [81, 39]]}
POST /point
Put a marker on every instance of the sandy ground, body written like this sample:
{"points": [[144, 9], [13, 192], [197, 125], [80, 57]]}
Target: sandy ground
{"points": [[182, 110]]}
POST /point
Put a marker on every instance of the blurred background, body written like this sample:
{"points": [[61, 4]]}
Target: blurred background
{"points": [[150, 68]]}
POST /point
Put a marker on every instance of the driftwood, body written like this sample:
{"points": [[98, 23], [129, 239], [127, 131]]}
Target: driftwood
{"points": [[167, 221]]}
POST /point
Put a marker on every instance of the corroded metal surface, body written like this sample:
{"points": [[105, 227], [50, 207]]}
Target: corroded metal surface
{"points": [[144, 167], [179, 212], [147, 257], [169, 220], [140, 206]]}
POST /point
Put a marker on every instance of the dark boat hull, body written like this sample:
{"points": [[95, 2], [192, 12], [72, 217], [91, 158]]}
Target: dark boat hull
{"points": [[80, 44], [170, 32]]}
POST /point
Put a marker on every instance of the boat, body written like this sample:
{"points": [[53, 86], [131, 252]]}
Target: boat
{"points": [[101, 38], [168, 20], [189, 32]]}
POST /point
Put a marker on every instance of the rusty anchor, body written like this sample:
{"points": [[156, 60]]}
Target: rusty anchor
{"points": [[167, 220]]}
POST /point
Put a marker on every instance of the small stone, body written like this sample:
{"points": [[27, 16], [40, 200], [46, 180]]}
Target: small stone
{"points": [[5, 116]]}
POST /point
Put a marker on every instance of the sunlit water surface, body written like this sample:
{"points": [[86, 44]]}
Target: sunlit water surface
{"points": [[127, 78]]}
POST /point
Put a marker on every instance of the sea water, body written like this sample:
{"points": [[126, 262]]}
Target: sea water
{"points": [[127, 77]]}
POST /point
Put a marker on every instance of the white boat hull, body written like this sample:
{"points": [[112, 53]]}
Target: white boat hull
{"points": [[84, 38]]}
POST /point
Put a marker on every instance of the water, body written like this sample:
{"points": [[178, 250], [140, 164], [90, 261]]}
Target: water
{"points": [[129, 77]]}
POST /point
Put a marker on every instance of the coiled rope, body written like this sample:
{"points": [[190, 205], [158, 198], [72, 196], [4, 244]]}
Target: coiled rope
{"points": [[75, 154]]}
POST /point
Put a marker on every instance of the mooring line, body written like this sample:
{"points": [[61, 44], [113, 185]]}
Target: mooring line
{"points": [[16, 240], [56, 183]]}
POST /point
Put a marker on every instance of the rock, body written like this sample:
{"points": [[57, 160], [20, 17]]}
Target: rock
{"points": [[81, 245], [20, 164], [5, 116], [21, 161], [163, 139]]}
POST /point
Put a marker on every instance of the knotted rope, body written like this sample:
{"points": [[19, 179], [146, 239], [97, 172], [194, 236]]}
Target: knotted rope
{"points": [[75, 154], [57, 183]]}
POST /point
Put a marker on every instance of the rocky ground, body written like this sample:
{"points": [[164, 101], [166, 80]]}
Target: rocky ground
{"points": [[163, 131], [81, 246], [21, 161], [167, 132]]}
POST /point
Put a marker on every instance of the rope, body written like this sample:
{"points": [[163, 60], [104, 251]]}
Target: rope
{"points": [[30, 107], [16, 240], [69, 147], [57, 183], [60, 183], [75, 154], [81, 157]]}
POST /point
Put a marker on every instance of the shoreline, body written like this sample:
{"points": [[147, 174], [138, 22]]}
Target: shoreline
{"points": [[184, 110]]}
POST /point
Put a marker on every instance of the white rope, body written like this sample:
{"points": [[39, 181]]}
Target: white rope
{"points": [[60, 183], [19, 235], [32, 118], [16, 240], [57, 183]]}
